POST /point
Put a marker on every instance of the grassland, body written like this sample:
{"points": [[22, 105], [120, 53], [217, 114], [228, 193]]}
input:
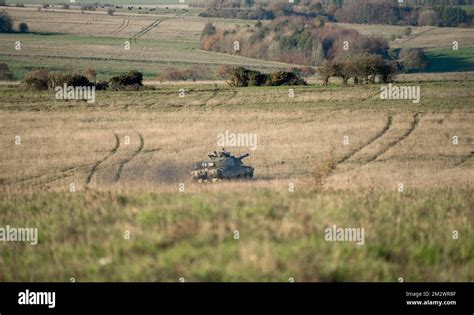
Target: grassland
{"points": [[134, 188], [328, 156], [96, 40], [281, 235], [171, 37]]}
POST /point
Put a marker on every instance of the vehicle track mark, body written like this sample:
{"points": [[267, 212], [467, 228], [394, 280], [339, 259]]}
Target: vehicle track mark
{"points": [[413, 126], [147, 29], [98, 163], [465, 159], [214, 94], [380, 134], [123, 163]]}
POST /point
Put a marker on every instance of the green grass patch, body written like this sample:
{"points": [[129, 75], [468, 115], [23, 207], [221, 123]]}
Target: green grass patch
{"points": [[449, 60], [176, 235]]}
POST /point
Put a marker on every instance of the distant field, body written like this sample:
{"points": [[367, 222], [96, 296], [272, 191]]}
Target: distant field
{"points": [[98, 41], [68, 39], [447, 60], [131, 2]]}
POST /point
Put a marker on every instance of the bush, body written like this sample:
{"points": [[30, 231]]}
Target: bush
{"points": [[242, 77], [171, 74], [128, 81], [65, 6], [23, 28], [222, 71], [6, 23], [110, 11], [413, 59], [102, 85], [5, 73], [209, 29], [284, 78], [88, 7], [37, 79], [194, 73]]}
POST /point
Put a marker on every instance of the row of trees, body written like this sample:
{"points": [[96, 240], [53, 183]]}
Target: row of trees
{"points": [[380, 12], [42, 79], [412, 12], [363, 68], [367, 68]]}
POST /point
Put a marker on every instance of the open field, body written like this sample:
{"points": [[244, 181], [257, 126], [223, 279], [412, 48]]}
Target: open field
{"points": [[96, 40], [87, 175], [170, 132], [167, 38], [134, 187]]}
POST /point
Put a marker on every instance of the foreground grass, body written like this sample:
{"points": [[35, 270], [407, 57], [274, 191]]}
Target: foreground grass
{"points": [[174, 235]]}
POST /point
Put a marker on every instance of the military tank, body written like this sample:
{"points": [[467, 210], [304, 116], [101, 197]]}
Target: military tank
{"points": [[222, 165]]}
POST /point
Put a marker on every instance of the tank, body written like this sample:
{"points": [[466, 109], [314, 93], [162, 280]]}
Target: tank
{"points": [[222, 165]]}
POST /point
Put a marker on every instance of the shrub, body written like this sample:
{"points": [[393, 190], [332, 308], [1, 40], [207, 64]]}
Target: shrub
{"points": [[325, 71], [5, 73], [413, 59], [37, 79], [23, 28], [241, 77], [222, 71], [101, 85], [209, 29], [110, 11], [284, 78], [128, 81], [6, 23]]}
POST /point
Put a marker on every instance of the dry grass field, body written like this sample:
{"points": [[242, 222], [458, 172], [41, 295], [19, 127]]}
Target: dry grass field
{"points": [[134, 187], [388, 142], [86, 175], [97, 40]]}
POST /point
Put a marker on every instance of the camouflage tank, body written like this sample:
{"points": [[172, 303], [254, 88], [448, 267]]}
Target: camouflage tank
{"points": [[222, 165]]}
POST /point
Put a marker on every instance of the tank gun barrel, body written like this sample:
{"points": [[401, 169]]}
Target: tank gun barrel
{"points": [[243, 156]]}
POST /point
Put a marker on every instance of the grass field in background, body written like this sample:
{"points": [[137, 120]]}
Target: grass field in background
{"points": [[448, 60]]}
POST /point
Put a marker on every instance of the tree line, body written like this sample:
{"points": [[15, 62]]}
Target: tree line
{"points": [[411, 12]]}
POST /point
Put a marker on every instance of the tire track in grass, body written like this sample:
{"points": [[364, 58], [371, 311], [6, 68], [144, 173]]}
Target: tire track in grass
{"points": [[214, 94], [408, 132], [98, 163], [123, 163], [464, 159], [147, 29], [387, 126]]}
